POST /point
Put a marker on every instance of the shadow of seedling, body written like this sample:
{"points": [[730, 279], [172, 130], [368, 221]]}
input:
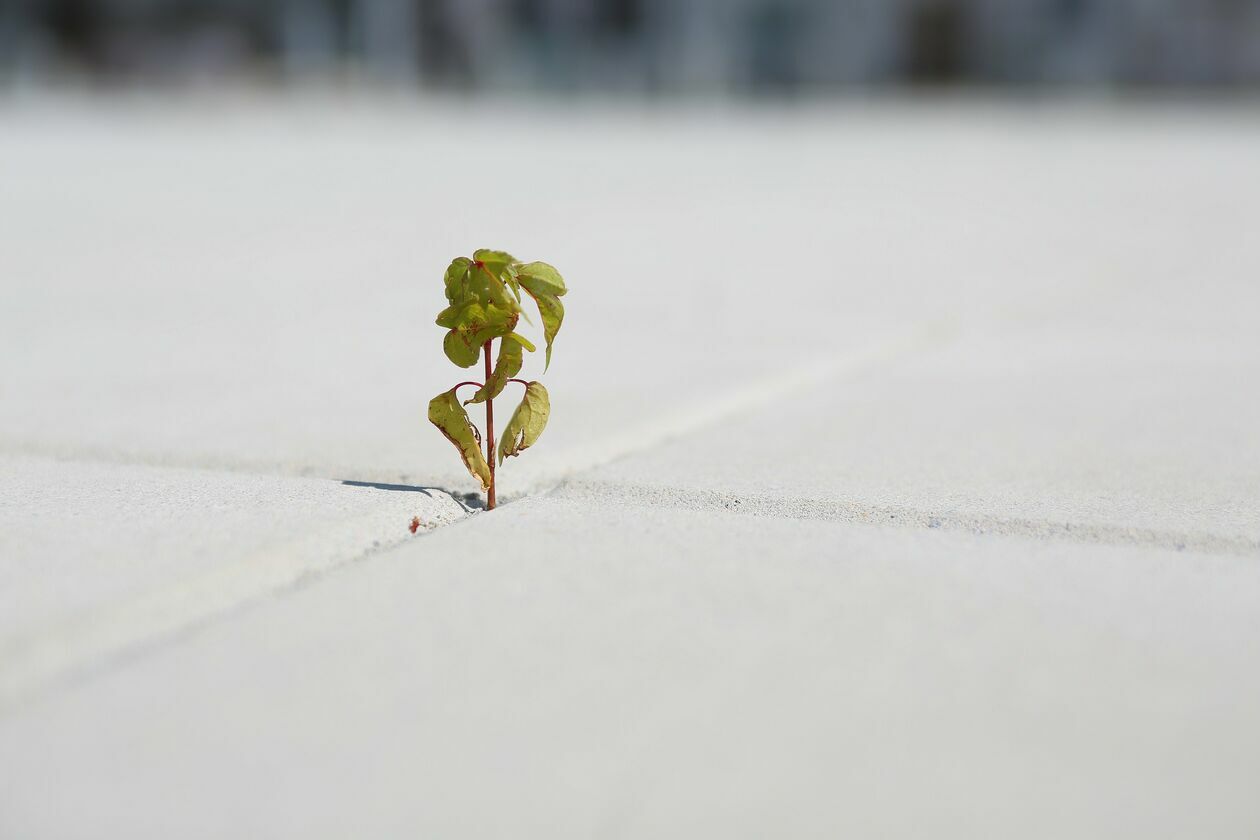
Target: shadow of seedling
{"points": [[469, 501]]}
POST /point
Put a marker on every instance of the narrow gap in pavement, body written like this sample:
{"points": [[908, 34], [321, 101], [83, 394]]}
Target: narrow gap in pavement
{"points": [[858, 512]]}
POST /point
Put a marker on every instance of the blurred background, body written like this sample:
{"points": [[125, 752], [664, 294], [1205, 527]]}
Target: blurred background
{"points": [[735, 47]]}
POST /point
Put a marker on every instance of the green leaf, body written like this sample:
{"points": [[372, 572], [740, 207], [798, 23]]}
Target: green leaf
{"points": [[505, 271], [496, 261], [544, 278], [552, 312], [527, 423], [460, 352], [457, 290], [489, 282], [451, 316], [489, 288], [449, 416], [474, 325], [508, 365], [545, 285]]}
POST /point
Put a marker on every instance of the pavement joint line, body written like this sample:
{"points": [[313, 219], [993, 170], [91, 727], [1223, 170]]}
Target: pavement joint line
{"points": [[210, 463], [714, 410], [859, 513], [35, 663], [711, 411]]}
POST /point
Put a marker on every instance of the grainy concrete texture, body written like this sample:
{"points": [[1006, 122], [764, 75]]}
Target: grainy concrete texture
{"points": [[903, 476]]}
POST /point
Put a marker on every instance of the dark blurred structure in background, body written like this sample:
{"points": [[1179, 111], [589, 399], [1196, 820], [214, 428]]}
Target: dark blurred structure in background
{"points": [[741, 46]]}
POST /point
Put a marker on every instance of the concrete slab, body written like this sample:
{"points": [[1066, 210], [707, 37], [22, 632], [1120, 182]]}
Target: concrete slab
{"points": [[99, 559], [1137, 422], [631, 671], [253, 286]]}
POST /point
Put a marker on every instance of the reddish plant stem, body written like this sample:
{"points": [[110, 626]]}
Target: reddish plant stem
{"points": [[489, 432]]}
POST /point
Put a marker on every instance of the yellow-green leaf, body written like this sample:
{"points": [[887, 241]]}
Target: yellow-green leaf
{"points": [[508, 365], [527, 423], [451, 316], [490, 288], [458, 351], [474, 325], [457, 280], [552, 312], [543, 278], [545, 285], [449, 416], [484, 303], [496, 261]]}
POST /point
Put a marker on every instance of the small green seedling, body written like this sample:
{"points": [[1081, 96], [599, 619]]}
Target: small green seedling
{"points": [[484, 294]]}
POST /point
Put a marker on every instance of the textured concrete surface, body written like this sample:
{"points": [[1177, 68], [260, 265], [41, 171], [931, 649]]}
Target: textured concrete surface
{"points": [[1142, 425], [902, 478], [639, 671], [100, 558]]}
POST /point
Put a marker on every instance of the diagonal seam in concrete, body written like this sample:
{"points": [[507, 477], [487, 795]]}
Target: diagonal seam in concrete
{"points": [[856, 511], [38, 662]]}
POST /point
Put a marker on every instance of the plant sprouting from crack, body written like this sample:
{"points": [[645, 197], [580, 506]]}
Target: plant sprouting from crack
{"points": [[484, 297]]}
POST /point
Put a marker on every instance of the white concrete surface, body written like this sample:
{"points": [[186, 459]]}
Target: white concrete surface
{"points": [[101, 558], [1142, 427], [902, 477], [632, 671]]}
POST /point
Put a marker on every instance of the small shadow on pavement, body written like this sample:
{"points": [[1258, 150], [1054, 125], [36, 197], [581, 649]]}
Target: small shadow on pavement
{"points": [[470, 501], [402, 488]]}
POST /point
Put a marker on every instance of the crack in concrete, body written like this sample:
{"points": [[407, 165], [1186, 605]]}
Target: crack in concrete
{"points": [[857, 512], [39, 661]]}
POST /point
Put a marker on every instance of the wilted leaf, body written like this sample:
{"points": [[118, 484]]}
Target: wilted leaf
{"points": [[451, 316], [544, 278], [490, 287], [449, 416], [457, 280], [508, 365], [481, 305], [552, 312], [524, 342], [459, 352], [545, 285], [499, 265], [496, 261], [527, 423], [474, 325]]}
